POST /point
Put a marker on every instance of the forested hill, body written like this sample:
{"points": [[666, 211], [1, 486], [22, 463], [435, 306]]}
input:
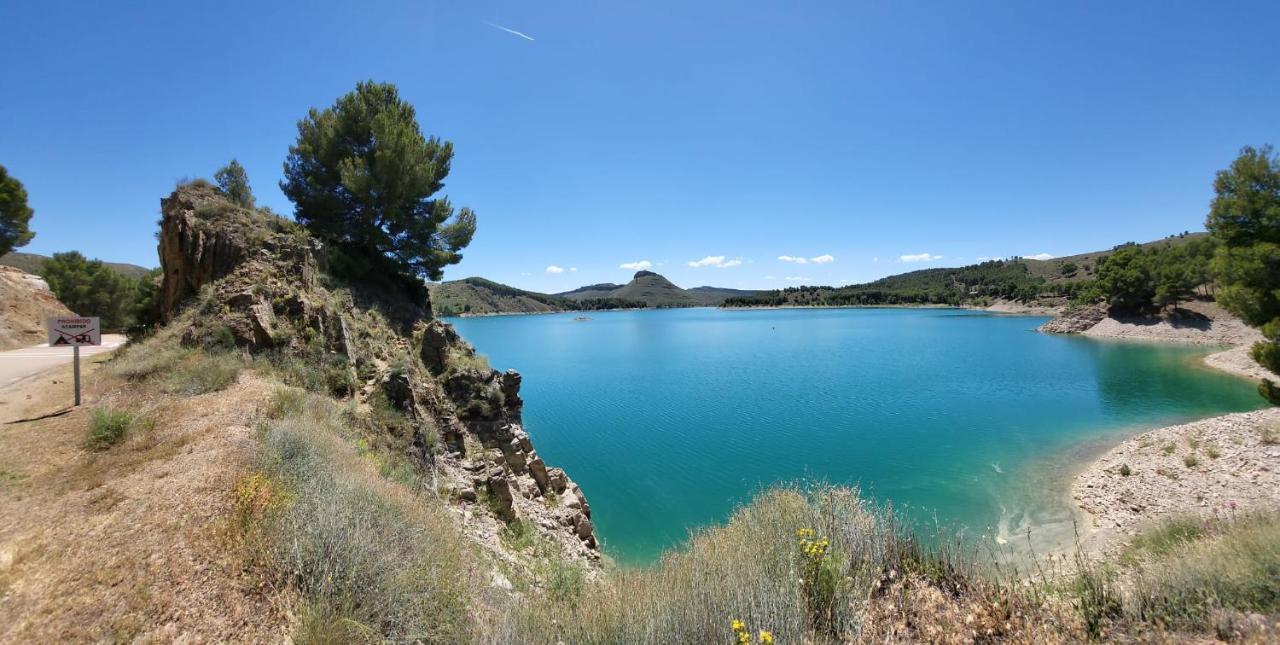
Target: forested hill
{"points": [[480, 296], [34, 263], [1020, 279], [646, 290]]}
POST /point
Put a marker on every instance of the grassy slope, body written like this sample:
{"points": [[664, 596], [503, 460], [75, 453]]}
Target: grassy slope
{"points": [[31, 263], [1087, 263]]}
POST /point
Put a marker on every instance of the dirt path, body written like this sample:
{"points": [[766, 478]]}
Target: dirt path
{"points": [[131, 543]]}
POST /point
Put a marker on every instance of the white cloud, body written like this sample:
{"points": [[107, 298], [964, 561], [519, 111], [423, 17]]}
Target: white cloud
{"points": [[769, 277], [572, 269], [639, 265], [919, 257], [825, 258], [985, 258], [797, 278], [717, 261], [555, 269], [1040, 256], [875, 259]]}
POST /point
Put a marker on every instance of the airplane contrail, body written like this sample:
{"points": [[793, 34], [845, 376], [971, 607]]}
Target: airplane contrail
{"points": [[510, 31]]}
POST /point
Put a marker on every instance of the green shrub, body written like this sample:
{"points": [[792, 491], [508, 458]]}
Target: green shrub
{"points": [[201, 373], [1125, 471], [1168, 448], [1168, 535], [315, 371], [108, 427], [1191, 460], [1269, 391], [1267, 354], [519, 535]]}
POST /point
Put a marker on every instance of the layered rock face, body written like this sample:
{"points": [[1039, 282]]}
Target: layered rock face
{"points": [[247, 279], [25, 303]]}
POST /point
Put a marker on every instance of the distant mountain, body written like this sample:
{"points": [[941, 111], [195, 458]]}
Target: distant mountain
{"points": [[646, 289], [656, 291], [32, 262]]}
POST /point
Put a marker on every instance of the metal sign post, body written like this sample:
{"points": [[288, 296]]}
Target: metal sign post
{"points": [[74, 332]]}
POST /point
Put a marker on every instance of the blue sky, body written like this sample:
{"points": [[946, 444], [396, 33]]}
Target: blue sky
{"points": [[612, 134]]}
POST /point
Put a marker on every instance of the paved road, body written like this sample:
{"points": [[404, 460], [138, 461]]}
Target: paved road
{"points": [[18, 364]]}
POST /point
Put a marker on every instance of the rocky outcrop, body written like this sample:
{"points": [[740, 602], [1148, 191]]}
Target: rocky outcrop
{"points": [[1075, 321], [25, 303], [204, 237], [489, 406], [240, 279]]}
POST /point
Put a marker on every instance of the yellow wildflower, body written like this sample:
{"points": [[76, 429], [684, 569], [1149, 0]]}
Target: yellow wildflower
{"points": [[766, 638]]}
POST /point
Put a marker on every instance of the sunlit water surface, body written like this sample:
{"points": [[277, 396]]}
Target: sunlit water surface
{"points": [[669, 419]]}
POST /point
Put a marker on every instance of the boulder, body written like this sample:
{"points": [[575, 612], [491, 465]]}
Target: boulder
{"points": [[399, 390], [503, 502], [557, 479], [437, 338], [538, 470], [510, 385], [1075, 321], [515, 459], [262, 322], [523, 437]]}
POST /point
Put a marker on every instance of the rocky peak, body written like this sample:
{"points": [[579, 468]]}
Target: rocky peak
{"points": [[642, 274], [234, 275]]}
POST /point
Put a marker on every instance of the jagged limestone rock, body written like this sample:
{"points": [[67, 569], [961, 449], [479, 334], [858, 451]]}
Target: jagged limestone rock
{"points": [[500, 494], [538, 470]]}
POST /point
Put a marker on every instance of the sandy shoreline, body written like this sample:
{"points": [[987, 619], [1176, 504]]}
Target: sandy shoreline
{"points": [[1219, 465]]}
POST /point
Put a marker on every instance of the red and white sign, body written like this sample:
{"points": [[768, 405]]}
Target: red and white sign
{"points": [[74, 332]]}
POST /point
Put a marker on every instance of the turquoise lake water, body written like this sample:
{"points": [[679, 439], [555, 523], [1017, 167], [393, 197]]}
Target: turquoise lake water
{"points": [[668, 419]]}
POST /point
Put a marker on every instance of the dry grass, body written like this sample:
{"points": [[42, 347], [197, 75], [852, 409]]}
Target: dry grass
{"points": [[161, 364], [370, 558], [754, 569], [1211, 581]]}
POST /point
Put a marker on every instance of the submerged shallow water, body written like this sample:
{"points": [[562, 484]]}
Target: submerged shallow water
{"points": [[668, 419]]}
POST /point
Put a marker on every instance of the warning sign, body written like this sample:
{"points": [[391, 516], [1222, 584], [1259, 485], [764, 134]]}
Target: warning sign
{"points": [[74, 332]]}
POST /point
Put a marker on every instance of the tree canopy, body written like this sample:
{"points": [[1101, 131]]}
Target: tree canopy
{"points": [[1246, 206], [363, 176], [15, 214], [1245, 216], [91, 288], [234, 181]]}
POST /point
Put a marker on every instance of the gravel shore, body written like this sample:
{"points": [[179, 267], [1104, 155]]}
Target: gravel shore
{"points": [[1174, 471], [1221, 465]]}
